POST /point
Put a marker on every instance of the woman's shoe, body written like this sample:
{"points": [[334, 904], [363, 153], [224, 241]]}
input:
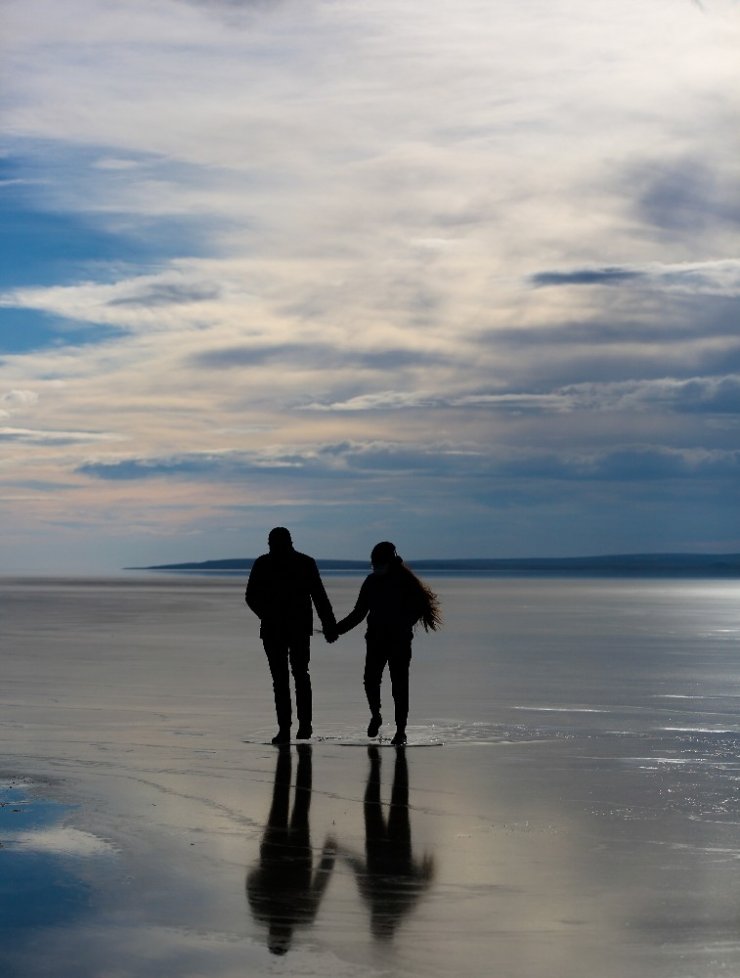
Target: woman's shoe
{"points": [[282, 736], [400, 738], [375, 724]]}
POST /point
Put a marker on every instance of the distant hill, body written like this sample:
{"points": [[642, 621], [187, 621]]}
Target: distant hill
{"points": [[617, 565]]}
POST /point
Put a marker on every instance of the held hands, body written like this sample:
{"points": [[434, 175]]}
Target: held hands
{"points": [[331, 634]]}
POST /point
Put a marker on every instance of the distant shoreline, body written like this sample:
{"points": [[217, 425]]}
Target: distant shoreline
{"points": [[621, 565]]}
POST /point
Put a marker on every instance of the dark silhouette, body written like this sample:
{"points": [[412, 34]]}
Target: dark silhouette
{"points": [[284, 891], [281, 588], [394, 600], [390, 880]]}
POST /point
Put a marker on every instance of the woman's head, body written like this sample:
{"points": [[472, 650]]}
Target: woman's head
{"points": [[384, 560], [383, 555]]}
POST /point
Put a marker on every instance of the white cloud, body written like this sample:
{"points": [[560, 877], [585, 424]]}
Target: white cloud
{"points": [[19, 397], [57, 436]]}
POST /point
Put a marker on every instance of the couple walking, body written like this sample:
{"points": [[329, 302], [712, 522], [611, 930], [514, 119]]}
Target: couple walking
{"points": [[282, 589]]}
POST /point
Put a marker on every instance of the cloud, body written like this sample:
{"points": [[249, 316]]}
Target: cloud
{"points": [[33, 436], [317, 251], [171, 299], [686, 195], [16, 401], [168, 294], [316, 355], [398, 462], [211, 466], [700, 278], [19, 398], [711, 395], [379, 401], [586, 276]]}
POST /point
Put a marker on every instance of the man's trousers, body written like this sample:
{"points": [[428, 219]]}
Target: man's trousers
{"points": [[286, 654]]}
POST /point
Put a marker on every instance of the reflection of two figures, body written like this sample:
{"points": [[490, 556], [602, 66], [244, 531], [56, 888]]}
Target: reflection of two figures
{"points": [[285, 889]]}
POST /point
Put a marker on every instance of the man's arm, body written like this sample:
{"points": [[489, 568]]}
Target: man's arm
{"points": [[321, 601], [254, 594]]}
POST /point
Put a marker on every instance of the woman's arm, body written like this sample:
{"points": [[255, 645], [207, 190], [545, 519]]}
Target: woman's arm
{"points": [[359, 612]]}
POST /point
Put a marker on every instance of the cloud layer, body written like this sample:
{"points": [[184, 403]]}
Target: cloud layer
{"points": [[466, 277]]}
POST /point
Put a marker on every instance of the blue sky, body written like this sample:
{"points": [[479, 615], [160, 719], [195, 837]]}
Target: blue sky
{"points": [[464, 276]]}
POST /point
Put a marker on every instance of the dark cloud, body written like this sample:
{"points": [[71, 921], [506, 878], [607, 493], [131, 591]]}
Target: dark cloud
{"points": [[586, 276], [226, 358], [195, 465], [37, 485], [697, 335], [631, 464], [393, 358], [684, 195], [234, 12], [446, 464], [315, 355], [711, 395], [168, 295]]}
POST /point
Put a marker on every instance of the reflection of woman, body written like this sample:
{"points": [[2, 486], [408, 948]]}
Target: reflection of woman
{"points": [[284, 891], [394, 600], [390, 880]]}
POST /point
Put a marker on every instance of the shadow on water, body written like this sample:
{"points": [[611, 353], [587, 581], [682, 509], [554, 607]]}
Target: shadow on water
{"points": [[284, 889], [390, 880]]}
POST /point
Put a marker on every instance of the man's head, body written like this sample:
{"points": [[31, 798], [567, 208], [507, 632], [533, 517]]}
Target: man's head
{"points": [[279, 540]]}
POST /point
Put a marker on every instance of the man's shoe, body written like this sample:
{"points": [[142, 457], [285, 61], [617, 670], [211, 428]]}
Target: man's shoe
{"points": [[305, 730], [282, 736], [400, 738], [375, 724]]}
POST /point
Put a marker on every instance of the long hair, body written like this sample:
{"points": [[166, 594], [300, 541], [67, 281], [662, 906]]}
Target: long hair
{"points": [[427, 602]]}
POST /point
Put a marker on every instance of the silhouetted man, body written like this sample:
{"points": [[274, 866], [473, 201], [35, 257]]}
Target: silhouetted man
{"points": [[282, 588]]}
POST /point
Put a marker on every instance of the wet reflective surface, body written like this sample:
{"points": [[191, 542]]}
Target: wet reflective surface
{"points": [[582, 817]]}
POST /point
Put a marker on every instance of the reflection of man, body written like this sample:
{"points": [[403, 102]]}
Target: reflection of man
{"points": [[283, 890], [390, 880], [281, 588]]}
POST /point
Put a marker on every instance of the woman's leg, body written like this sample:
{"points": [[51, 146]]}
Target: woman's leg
{"points": [[376, 657], [398, 664]]}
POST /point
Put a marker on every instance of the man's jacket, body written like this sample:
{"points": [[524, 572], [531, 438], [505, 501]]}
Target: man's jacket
{"points": [[281, 589]]}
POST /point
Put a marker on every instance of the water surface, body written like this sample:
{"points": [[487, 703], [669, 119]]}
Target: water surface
{"points": [[581, 818]]}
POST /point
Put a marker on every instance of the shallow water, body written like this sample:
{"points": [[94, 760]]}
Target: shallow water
{"points": [[582, 816]]}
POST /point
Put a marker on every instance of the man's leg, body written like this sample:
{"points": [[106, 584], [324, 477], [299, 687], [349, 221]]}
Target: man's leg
{"points": [[300, 657], [277, 658]]}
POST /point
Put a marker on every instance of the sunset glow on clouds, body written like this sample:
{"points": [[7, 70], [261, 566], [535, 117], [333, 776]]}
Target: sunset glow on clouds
{"points": [[462, 276]]}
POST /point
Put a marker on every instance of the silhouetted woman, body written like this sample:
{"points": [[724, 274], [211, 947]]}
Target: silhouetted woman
{"points": [[394, 600]]}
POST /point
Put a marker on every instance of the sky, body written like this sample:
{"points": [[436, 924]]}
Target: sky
{"points": [[460, 275]]}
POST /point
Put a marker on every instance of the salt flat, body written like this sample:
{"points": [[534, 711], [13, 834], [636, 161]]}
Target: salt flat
{"points": [[580, 818]]}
